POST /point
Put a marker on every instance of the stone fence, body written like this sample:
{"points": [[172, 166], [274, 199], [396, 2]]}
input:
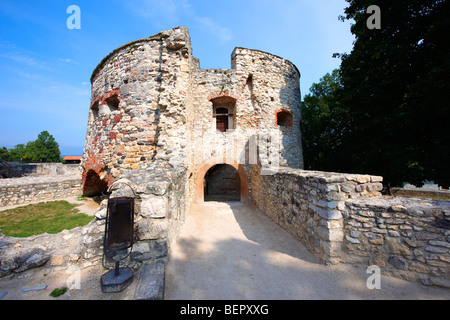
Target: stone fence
{"points": [[16, 169], [309, 204], [344, 218], [406, 237], [33, 189]]}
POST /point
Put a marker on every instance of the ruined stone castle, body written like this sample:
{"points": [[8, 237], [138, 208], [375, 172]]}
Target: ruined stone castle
{"points": [[179, 134]]}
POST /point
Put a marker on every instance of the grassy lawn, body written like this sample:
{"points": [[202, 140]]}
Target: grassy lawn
{"points": [[47, 217]]}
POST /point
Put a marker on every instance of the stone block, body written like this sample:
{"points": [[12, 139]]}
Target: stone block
{"points": [[398, 262], [56, 260], [151, 282], [153, 207], [329, 214]]}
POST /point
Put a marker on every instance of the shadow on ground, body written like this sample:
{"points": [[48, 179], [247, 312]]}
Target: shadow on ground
{"points": [[231, 251]]}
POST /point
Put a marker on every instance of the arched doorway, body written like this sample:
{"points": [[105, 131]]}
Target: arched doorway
{"points": [[204, 174], [93, 185], [222, 183]]}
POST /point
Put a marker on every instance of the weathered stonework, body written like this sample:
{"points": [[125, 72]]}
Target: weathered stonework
{"points": [[344, 218], [152, 102], [407, 237], [310, 204], [161, 123], [34, 182]]}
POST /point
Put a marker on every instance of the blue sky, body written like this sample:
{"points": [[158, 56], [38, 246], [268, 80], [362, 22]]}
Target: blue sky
{"points": [[45, 67]]}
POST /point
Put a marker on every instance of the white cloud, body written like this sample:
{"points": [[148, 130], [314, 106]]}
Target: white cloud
{"points": [[24, 58], [223, 34], [172, 13], [167, 11]]}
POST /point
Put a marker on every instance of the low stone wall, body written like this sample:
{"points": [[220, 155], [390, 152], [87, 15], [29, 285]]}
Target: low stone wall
{"points": [[309, 204], [160, 211], [399, 192], [43, 188], [16, 169], [344, 218], [405, 237]]}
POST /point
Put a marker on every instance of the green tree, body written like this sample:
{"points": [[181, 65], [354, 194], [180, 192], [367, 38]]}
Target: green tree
{"points": [[17, 153], [396, 91], [43, 149], [4, 154], [325, 125]]}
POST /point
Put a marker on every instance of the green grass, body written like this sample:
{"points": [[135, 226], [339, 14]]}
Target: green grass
{"points": [[58, 292], [47, 217]]}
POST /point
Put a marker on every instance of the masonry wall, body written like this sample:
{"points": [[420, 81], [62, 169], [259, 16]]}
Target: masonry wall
{"points": [[258, 86], [161, 208], [34, 189], [309, 204], [344, 218], [137, 105], [17, 170], [406, 237]]}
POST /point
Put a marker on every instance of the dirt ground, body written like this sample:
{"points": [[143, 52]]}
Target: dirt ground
{"points": [[84, 283], [231, 251], [225, 251]]}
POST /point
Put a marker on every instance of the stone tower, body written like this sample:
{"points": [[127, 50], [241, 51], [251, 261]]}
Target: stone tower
{"points": [[151, 102]]}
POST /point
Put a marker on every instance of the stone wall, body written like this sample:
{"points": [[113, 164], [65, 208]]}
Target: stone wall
{"points": [[33, 189], [406, 237], [137, 97], [17, 170], [161, 207], [344, 218], [309, 204], [160, 210]]}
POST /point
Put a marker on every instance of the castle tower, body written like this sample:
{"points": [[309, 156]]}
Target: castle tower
{"points": [[151, 102]]}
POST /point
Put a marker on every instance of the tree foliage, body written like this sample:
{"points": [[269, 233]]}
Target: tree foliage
{"points": [[43, 149], [325, 125], [395, 94], [396, 90]]}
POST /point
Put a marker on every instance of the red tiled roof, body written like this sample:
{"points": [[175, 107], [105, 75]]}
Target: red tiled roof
{"points": [[72, 158]]}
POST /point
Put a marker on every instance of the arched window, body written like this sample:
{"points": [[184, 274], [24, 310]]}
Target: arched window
{"points": [[224, 113], [284, 118], [94, 110], [222, 123]]}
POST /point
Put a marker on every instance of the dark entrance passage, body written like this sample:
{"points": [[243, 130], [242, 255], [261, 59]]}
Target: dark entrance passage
{"points": [[222, 183], [93, 185]]}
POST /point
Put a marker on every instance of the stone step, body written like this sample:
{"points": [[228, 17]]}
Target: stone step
{"points": [[151, 282]]}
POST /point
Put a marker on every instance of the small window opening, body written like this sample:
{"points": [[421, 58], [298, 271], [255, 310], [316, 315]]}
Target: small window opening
{"points": [[223, 113], [94, 109], [284, 119], [113, 103], [93, 185]]}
